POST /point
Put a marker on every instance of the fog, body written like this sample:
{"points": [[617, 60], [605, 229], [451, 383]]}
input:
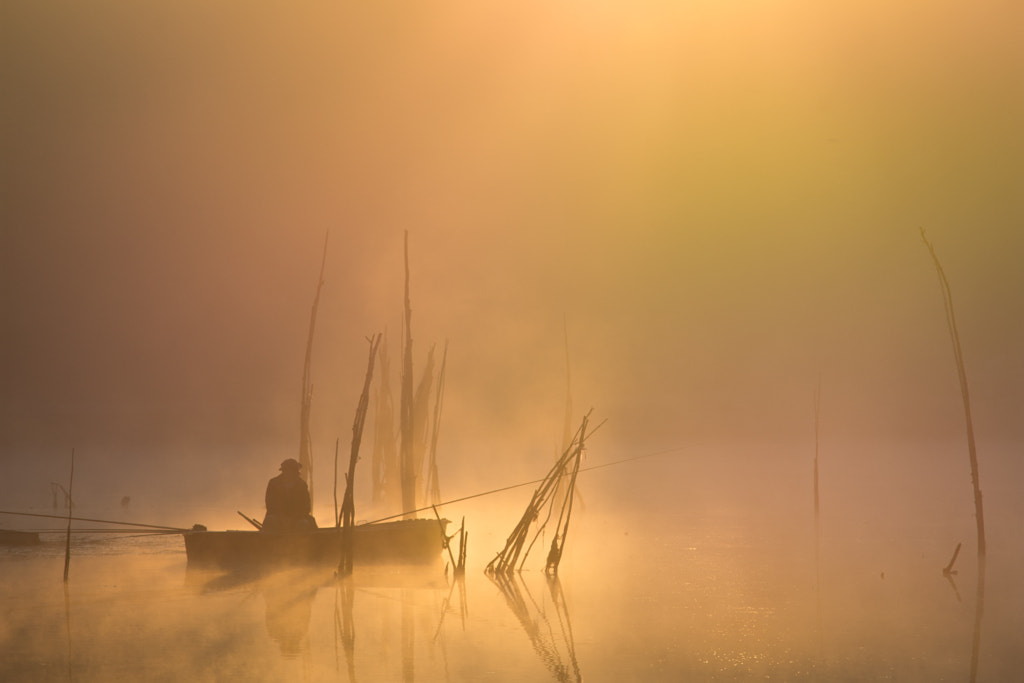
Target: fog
{"points": [[714, 208]]}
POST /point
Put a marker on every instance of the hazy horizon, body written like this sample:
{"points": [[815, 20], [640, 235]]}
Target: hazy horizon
{"points": [[719, 207]]}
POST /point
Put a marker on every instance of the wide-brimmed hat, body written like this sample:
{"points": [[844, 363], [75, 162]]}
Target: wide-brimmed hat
{"points": [[290, 464]]}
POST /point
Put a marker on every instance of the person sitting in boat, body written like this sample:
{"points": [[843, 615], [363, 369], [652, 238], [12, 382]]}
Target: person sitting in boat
{"points": [[288, 504]]}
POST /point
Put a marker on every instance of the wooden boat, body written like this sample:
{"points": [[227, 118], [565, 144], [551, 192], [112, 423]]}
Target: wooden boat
{"points": [[11, 537], [407, 542]]}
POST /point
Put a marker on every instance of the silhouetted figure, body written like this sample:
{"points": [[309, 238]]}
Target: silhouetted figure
{"points": [[288, 505]]}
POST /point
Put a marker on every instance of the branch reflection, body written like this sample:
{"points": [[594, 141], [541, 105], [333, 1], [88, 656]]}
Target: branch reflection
{"points": [[552, 638]]}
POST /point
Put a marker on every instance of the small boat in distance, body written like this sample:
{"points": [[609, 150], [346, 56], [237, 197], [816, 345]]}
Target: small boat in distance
{"points": [[408, 542], [12, 537]]}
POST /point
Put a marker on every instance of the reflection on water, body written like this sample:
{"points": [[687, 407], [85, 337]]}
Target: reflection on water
{"points": [[344, 623], [979, 612], [548, 625], [710, 600], [289, 607]]}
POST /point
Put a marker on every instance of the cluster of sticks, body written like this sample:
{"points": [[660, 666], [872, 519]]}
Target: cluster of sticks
{"points": [[516, 550]]}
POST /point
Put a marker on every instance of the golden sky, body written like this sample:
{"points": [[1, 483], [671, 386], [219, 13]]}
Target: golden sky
{"points": [[720, 201]]}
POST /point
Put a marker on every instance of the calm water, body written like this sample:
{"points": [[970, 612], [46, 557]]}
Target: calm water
{"points": [[719, 599]]}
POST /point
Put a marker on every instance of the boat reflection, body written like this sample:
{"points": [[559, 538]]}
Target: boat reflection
{"points": [[344, 623], [551, 637], [290, 607]]}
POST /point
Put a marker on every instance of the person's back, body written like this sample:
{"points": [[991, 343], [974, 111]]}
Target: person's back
{"points": [[287, 500]]}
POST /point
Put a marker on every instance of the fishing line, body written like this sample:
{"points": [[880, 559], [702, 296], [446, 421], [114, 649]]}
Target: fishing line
{"points": [[382, 519], [100, 521], [528, 483], [80, 530]]}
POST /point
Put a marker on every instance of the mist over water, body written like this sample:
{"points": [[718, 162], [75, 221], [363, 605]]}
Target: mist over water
{"points": [[692, 217], [677, 567]]}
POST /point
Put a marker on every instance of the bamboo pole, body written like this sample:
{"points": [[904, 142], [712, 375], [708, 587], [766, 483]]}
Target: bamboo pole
{"points": [[817, 514], [979, 608], [432, 493], [336, 516], [421, 415], [67, 541], [460, 565], [385, 476], [348, 507], [567, 420], [562, 529], [406, 460], [947, 299], [305, 439]]}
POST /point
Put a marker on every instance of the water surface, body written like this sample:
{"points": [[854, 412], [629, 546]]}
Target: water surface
{"points": [[720, 598]]}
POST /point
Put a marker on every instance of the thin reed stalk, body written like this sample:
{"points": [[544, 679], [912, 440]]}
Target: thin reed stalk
{"points": [[562, 530], [460, 565], [348, 507], [337, 517], [67, 541], [387, 486], [421, 414], [817, 513], [958, 355], [979, 608], [433, 486], [406, 462], [305, 439], [567, 420]]}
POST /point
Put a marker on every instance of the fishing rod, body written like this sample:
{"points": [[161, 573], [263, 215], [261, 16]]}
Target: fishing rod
{"points": [[80, 530], [528, 483], [173, 529], [100, 521]]}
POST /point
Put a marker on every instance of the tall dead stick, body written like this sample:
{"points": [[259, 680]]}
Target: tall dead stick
{"points": [[433, 487], [337, 516], [979, 605], [348, 507], [954, 335], [67, 540], [406, 462], [305, 439]]}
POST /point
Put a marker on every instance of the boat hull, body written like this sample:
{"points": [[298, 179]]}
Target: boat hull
{"points": [[403, 542]]}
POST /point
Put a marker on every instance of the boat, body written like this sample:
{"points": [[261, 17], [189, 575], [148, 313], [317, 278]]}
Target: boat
{"points": [[11, 537], [407, 542], [401, 542]]}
